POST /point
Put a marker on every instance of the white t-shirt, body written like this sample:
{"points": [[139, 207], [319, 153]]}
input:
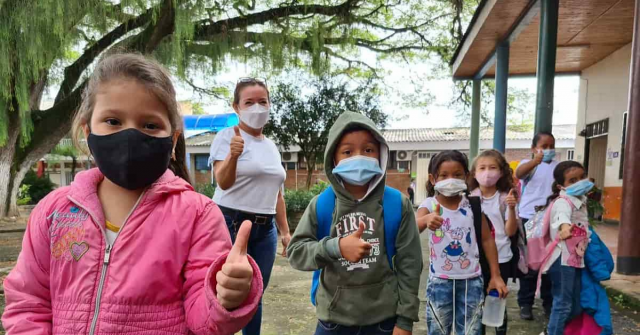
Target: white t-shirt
{"points": [[497, 213], [537, 189], [259, 174], [453, 249]]}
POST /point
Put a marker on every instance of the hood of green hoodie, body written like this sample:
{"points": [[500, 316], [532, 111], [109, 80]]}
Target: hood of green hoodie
{"points": [[346, 121]]}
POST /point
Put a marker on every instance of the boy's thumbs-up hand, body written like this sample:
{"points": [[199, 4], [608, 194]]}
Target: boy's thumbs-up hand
{"points": [[234, 280], [353, 248], [237, 144], [511, 199]]}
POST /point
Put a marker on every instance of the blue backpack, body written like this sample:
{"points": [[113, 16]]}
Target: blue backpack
{"points": [[392, 216]]}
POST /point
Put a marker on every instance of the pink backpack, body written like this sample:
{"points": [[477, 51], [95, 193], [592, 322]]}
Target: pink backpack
{"points": [[539, 244]]}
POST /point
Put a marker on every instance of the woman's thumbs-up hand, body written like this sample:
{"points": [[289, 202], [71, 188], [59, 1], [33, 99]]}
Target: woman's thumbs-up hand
{"points": [[237, 144], [234, 280]]}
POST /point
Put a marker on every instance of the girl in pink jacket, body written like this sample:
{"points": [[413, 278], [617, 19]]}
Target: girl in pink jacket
{"points": [[130, 248]]}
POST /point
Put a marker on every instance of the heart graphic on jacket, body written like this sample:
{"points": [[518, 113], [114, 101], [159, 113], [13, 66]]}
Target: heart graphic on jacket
{"points": [[78, 250]]}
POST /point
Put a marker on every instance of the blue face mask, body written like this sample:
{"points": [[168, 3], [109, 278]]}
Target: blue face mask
{"points": [[580, 188], [549, 155], [358, 170]]}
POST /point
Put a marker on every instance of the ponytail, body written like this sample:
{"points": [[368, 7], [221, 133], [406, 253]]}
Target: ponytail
{"points": [[555, 193], [178, 165]]}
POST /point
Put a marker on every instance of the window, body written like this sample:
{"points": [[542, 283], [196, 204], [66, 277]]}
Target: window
{"points": [[391, 162], [202, 162], [624, 140], [426, 155], [597, 129], [403, 165], [289, 165], [570, 154]]}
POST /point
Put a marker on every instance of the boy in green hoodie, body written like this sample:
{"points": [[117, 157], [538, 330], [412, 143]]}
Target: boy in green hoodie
{"points": [[358, 291]]}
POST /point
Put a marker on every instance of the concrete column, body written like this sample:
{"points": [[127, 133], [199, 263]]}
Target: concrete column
{"points": [[502, 82], [475, 120], [628, 260], [547, 45]]}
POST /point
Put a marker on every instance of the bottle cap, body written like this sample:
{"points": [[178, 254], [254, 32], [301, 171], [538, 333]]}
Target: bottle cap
{"points": [[494, 293]]}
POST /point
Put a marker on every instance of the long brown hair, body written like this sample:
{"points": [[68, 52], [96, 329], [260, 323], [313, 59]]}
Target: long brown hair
{"points": [[505, 183], [131, 66]]}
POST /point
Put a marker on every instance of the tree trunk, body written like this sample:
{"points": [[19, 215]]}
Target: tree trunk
{"points": [[7, 155], [311, 166], [46, 144], [74, 161]]}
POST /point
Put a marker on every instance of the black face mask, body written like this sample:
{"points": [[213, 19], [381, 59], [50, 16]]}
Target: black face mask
{"points": [[130, 158]]}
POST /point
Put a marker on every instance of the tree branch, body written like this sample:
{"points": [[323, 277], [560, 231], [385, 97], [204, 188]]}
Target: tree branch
{"points": [[73, 72], [202, 90], [207, 28]]}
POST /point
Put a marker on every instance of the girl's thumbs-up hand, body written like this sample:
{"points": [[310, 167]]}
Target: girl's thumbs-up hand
{"points": [[234, 280], [353, 248], [237, 144], [511, 199], [434, 220]]}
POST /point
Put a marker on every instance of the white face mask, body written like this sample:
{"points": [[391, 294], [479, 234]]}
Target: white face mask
{"points": [[255, 116], [450, 187]]}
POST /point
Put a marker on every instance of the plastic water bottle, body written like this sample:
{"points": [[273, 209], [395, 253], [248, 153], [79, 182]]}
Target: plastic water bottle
{"points": [[494, 307]]}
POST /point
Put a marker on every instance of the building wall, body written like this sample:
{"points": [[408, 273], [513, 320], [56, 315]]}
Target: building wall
{"points": [[604, 93]]}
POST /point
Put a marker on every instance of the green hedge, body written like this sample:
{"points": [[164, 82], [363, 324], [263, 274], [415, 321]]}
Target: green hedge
{"points": [[206, 189], [36, 188], [298, 200]]}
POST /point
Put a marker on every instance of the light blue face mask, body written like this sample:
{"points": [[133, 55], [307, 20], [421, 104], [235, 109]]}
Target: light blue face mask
{"points": [[549, 155], [580, 188], [358, 170]]}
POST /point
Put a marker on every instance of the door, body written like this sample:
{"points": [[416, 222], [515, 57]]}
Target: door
{"points": [[598, 159]]}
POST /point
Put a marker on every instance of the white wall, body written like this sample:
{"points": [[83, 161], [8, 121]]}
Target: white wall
{"points": [[604, 93]]}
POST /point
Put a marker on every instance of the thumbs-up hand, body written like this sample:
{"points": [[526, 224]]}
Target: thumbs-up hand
{"points": [[434, 220], [353, 248], [237, 144], [511, 199], [234, 280]]}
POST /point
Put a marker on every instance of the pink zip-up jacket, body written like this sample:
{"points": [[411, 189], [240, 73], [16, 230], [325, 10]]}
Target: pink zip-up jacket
{"points": [[158, 278]]}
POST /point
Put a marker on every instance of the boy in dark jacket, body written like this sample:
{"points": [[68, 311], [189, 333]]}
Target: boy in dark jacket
{"points": [[358, 291]]}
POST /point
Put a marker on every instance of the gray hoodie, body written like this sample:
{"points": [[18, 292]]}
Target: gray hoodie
{"points": [[367, 292]]}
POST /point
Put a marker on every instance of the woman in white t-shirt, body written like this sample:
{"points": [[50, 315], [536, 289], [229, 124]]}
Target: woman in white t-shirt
{"points": [[250, 177], [492, 181]]}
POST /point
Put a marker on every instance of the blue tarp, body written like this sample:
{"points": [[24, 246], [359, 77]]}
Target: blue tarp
{"points": [[209, 122]]}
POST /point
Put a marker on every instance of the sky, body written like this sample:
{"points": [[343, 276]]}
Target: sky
{"points": [[400, 79]]}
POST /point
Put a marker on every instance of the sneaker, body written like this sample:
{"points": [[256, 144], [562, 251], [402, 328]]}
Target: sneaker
{"points": [[526, 313]]}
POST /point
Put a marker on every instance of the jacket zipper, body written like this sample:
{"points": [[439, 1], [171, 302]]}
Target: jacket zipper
{"points": [[107, 257]]}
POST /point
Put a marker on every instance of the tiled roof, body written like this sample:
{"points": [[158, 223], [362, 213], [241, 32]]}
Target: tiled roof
{"points": [[561, 132], [202, 140]]}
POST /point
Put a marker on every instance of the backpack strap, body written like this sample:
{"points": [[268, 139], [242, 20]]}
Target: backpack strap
{"points": [[476, 209], [392, 216], [325, 206], [324, 212], [551, 246]]}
